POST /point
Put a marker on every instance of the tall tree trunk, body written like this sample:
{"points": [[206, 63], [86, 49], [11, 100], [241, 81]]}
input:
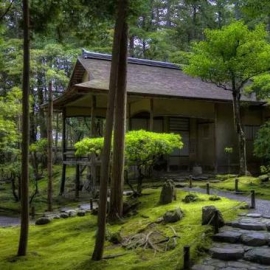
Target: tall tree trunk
{"points": [[41, 114], [105, 167], [117, 181], [22, 249], [49, 147], [56, 139], [240, 133]]}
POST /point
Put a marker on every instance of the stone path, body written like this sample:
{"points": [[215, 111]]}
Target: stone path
{"points": [[243, 244], [9, 221]]}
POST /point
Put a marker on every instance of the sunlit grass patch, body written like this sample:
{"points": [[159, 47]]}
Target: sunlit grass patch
{"points": [[67, 244]]}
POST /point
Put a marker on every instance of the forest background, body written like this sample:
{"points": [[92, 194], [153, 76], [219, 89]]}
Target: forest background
{"points": [[158, 30]]}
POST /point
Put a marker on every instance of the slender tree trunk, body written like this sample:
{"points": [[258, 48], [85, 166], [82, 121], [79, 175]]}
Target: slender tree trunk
{"points": [[240, 133], [117, 181], [41, 114], [49, 147], [105, 165], [22, 249], [56, 139]]}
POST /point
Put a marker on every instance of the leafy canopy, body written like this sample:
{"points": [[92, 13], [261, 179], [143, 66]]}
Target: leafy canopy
{"points": [[261, 143], [231, 56], [142, 147]]}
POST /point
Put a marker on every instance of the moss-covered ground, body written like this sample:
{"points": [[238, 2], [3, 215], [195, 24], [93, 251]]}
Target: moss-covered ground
{"points": [[67, 244], [245, 185]]}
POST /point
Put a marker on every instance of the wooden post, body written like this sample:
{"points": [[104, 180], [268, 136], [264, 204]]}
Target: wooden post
{"points": [[207, 188], [151, 120], [216, 222], [49, 148], [63, 180], [91, 204], [236, 185], [33, 212], [77, 185], [190, 182], [253, 204], [186, 257]]}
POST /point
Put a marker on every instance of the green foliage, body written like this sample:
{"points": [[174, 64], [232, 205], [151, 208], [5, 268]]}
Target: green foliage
{"points": [[261, 143], [39, 146], [261, 86], [228, 150], [69, 241], [144, 147], [230, 56], [141, 147], [10, 107], [265, 169], [89, 146]]}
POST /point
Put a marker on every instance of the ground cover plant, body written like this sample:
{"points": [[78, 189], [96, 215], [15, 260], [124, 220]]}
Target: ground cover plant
{"points": [[68, 244], [245, 184], [10, 207]]}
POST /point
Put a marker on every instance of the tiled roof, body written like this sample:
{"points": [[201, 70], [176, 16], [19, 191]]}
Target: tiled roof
{"points": [[144, 78], [153, 78]]}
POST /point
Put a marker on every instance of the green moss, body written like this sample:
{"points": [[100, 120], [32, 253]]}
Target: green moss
{"points": [[68, 244]]}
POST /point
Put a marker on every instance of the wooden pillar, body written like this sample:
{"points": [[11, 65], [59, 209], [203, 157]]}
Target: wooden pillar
{"points": [[151, 120], [93, 116], [129, 127], [93, 134], [62, 188], [77, 185]]}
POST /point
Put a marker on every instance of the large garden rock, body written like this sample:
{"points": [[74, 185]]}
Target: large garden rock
{"points": [[167, 194], [208, 213], [173, 216], [43, 221]]}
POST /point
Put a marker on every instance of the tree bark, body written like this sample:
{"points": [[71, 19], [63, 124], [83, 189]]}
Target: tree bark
{"points": [[240, 133], [105, 165], [49, 147], [117, 181], [22, 249]]}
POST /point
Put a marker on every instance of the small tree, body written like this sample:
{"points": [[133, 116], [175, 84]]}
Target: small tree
{"points": [[142, 149], [230, 57]]}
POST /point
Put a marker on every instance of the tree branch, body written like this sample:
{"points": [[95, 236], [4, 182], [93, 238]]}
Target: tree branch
{"points": [[7, 10]]}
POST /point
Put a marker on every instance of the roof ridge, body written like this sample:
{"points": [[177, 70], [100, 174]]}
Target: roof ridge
{"points": [[132, 60]]}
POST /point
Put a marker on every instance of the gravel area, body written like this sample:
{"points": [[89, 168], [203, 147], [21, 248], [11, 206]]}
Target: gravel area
{"points": [[261, 206], [9, 221]]}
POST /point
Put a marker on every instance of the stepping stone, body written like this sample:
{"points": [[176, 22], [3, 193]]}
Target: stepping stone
{"points": [[202, 267], [227, 236], [258, 255], [254, 215], [254, 239], [255, 226], [227, 253]]}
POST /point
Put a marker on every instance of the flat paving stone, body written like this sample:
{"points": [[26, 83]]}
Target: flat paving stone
{"points": [[255, 226], [215, 264], [255, 239], [227, 253], [259, 255], [227, 236], [254, 215]]}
